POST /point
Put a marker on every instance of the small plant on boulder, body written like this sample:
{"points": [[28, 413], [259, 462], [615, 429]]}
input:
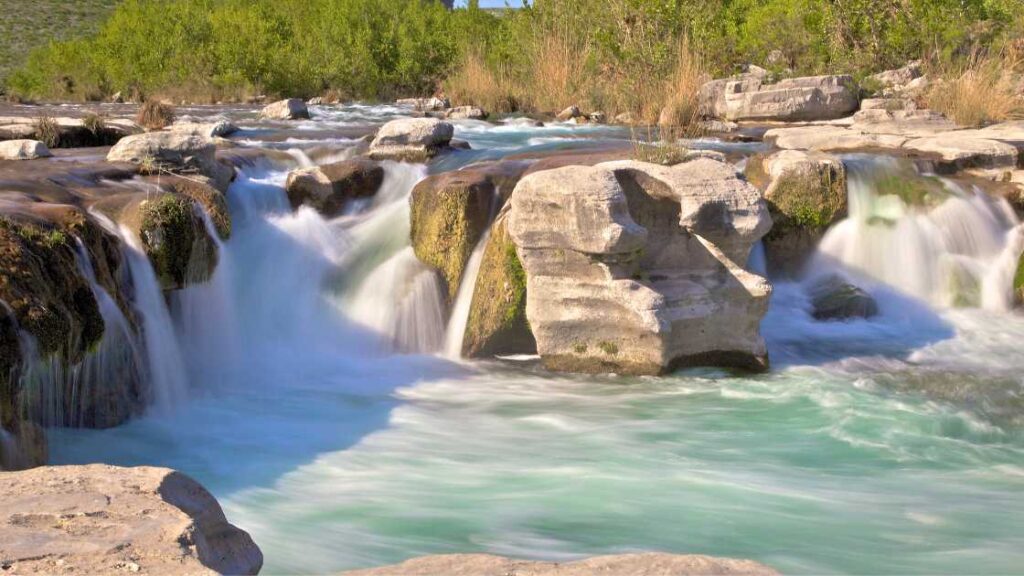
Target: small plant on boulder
{"points": [[47, 131]]}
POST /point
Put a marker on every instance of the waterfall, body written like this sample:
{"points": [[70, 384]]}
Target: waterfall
{"points": [[959, 249], [456, 332], [166, 367]]}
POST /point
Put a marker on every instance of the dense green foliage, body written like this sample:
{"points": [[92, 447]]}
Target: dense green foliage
{"points": [[377, 49]]}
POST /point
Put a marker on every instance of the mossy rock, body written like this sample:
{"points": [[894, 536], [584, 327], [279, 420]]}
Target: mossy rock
{"points": [[176, 241], [1018, 282], [912, 188], [212, 200], [497, 316], [450, 213]]}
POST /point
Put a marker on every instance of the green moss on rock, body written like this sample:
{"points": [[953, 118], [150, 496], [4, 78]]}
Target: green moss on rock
{"points": [[176, 241], [497, 316]]}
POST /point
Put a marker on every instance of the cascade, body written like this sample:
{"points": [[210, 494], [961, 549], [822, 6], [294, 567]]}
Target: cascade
{"points": [[958, 249], [456, 332]]}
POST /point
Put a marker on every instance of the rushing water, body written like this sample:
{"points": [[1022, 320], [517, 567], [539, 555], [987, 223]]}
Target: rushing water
{"points": [[892, 445]]}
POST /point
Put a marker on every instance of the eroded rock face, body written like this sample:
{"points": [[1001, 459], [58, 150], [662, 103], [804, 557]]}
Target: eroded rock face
{"points": [[411, 139], [23, 150], [329, 187], [644, 564], [101, 519], [497, 318], [176, 152], [747, 97], [290, 109], [637, 268], [806, 194]]}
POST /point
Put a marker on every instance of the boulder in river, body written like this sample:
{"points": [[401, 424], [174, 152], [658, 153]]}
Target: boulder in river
{"points": [[411, 139], [290, 109], [497, 316], [179, 153], [833, 298], [570, 113], [642, 564], [466, 113], [806, 194], [638, 268], [23, 150], [217, 129], [793, 99], [329, 187], [100, 519]]}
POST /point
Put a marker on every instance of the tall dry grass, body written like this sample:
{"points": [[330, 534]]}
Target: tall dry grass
{"points": [[473, 83], [983, 90]]}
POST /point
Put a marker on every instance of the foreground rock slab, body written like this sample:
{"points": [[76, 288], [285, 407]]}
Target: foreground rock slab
{"points": [[637, 268], [101, 519], [646, 564]]}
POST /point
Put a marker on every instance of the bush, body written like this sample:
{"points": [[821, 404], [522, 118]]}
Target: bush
{"points": [[155, 115], [47, 131]]}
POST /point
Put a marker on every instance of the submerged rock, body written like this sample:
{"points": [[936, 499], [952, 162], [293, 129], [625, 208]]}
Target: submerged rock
{"points": [[806, 194], [642, 564], [635, 268], [179, 153], [23, 150], [329, 187], [411, 139], [747, 97], [101, 519], [833, 298], [290, 109], [497, 316]]}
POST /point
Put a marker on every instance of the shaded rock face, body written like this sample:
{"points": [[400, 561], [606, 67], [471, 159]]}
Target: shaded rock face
{"points": [[497, 318], [101, 519], [290, 109], [747, 97], [411, 139], [23, 150], [635, 268], [806, 194], [51, 317], [175, 152], [644, 564], [329, 187], [833, 298], [450, 213]]}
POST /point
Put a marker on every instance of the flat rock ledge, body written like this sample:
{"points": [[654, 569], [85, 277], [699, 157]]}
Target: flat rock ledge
{"points": [[100, 519], [645, 564]]}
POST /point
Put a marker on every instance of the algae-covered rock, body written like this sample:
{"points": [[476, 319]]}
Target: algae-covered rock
{"points": [[806, 194], [497, 316], [176, 241], [212, 200], [450, 213]]}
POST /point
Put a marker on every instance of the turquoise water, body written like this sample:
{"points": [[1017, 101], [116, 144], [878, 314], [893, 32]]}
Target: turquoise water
{"points": [[894, 445]]}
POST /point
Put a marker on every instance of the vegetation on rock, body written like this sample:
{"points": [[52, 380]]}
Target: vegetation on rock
{"points": [[176, 242]]}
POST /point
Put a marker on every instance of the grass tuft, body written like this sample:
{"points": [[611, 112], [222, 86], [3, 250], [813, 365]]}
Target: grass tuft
{"points": [[981, 91], [155, 115], [47, 131]]}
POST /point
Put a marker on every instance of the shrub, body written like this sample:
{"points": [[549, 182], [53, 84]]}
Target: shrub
{"points": [[155, 115], [47, 131], [94, 123]]}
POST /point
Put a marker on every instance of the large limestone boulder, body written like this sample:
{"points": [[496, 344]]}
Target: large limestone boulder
{"points": [[794, 99], [23, 150], [101, 519], [328, 188], [497, 316], [806, 194], [643, 564], [290, 109], [637, 268], [176, 152], [411, 139]]}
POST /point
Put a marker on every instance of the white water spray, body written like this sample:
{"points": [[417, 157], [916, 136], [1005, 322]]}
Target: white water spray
{"points": [[455, 335]]}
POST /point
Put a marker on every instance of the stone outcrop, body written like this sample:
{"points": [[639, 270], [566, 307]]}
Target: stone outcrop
{"points": [[23, 150], [290, 109], [749, 98], [329, 187], [69, 132], [641, 564], [806, 194], [101, 519], [638, 268], [179, 153], [497, 316], [466, 113], [411, 139]]}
